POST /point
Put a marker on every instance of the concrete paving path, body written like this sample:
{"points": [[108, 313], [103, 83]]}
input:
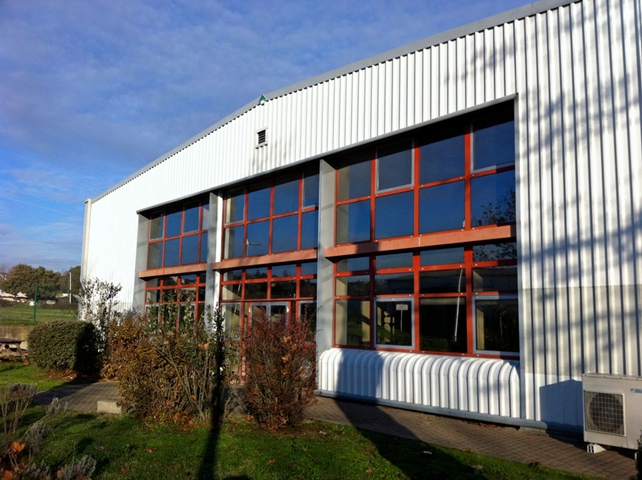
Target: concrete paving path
{"points": [[510, 443]]}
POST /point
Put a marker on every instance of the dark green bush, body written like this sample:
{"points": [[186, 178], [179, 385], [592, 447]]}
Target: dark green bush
{"points": [[64, 345]]}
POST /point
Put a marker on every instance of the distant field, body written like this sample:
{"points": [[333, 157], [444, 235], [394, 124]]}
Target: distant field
{"points": [[22, 314]]}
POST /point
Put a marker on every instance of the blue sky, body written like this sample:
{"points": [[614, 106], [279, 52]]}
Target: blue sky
{"points": [[92, 90]]}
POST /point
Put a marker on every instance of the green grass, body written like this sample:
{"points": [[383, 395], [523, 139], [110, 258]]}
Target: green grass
{"points": [[22, 314], [16, 372]]}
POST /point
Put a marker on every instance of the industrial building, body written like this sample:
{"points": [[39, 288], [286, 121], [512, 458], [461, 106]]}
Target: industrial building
{"points": [[463, 216]]}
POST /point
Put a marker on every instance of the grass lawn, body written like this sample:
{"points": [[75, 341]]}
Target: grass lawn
{"points": [[22, 314], [16, 372]]}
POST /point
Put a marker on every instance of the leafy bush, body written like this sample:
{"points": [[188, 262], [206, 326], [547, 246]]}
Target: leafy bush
{"points": [[169, 374], [64, 345], [280, 358]]}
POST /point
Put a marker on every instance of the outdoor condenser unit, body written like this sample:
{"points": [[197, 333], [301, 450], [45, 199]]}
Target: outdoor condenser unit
{"points": [[612, 410]]}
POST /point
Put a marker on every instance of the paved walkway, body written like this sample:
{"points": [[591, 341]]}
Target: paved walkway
{"points": [[503, 442]]}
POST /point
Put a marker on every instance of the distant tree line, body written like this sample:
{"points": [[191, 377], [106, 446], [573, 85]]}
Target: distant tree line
{"points": [[22, 278]]}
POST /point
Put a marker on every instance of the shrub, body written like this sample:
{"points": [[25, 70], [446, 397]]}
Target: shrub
{"points": [[280, 358], [64, 345]]}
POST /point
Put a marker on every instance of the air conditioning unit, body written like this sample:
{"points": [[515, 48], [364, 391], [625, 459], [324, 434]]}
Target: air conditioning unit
{"points": [[612, 410]]}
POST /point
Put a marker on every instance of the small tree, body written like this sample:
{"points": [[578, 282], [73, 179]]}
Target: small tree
{"points": [[97, 301], [280, 357]]}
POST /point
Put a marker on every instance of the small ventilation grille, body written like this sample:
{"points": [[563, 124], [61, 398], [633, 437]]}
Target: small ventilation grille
{"points": [[261, 137], [604, 412]]}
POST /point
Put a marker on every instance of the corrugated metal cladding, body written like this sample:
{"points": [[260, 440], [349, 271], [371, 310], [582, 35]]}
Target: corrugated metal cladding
{"points": [[575, 72]]}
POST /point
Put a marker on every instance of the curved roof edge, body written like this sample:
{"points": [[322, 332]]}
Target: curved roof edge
{"points": [[457, 32]]}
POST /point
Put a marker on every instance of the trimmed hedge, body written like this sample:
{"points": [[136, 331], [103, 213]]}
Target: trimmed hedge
{"points": [[64, 345]]}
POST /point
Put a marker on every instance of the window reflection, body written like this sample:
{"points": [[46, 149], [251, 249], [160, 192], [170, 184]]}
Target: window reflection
{"points": [[442, 325], [442, 158], [441, 208], [284, 234], [493, 199], [395, 215], [353, 222], [394, 166]]}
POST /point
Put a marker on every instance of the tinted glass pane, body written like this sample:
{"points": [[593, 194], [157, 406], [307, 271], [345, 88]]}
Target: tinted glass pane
{"points": [[202, 277], [231, 292], [394, 283], [153, 296], [353, 222], [497, 279], [353, 264], [354, 181], [206, 217], [395, 215], [156, 227], [309, 268], [286, 197], [493, 141], [203, 255], [232, 275], [154, 256], [353, 286], [283, 289], [188, 279], [394, 260], [171, 252], [260, 272], [490, 252], [284, 234], [258, 203], [173, 224], [443, 281], [154, 282], [394, 322], [284, 271], [258, 238], [310, 189], [189, 253], [352, 322], [310, 230], [497, 325], [170, 281], [309, 288], [442, 159], [442, 256], [234, 242], [394, 166], [493, 199], [191, 219], [235, 206], [442, 324], [256, 290], [441, 208], [232, 315]]}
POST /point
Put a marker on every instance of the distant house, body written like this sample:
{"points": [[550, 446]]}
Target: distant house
{"points": [[463, 216], [19, 297]]}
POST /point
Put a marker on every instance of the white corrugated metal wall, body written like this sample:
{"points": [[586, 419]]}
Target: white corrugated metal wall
{"points": [[576, 73]]}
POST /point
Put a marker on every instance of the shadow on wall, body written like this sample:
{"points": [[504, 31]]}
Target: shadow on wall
{"points": [[561, 406]]}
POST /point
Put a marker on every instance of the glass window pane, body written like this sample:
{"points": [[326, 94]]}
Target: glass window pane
{"points": [[286, 196], [310, 189], [441, 208], [234, 242], [153, 296], [283, 289], [443, 281], [188, 279], [154, 282], [354, 181], [191, 219], [310, 230], [154, 256], [173, 224], [203, 255], [231, 291], [352, 322], [493, 199], [258, 238], [232, 314], [260, 272], [189, 250], [170, 281], [256, 290], [308, 310], [171, 252], [309, 288], [394, 322], [206, 217], [395, 215], [156, 226], [202, 277], [442, 324], [441, 256], [284, 271], [442, 158], [497, 325], [394, 260], [358, 285], [284, 234], [235, 206], [232, 275], [494, 141], [394, 283], [258, 203], [353, 222], [353, 264], [394, 166], [492, 252], [309, 268], [495, 279]]}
